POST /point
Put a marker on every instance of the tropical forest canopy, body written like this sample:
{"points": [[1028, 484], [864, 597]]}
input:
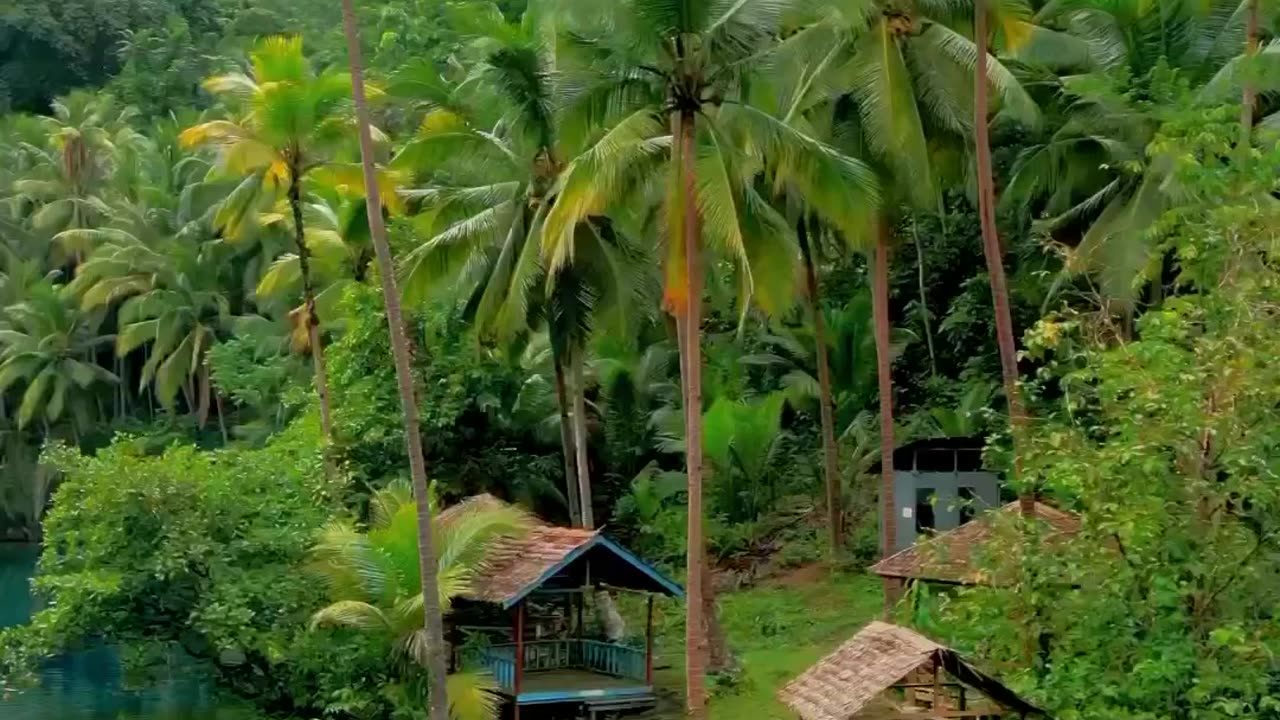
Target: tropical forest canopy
{"points": [[765, 240]]}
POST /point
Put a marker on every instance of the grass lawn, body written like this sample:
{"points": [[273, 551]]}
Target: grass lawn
{"points": [[776, 629]]}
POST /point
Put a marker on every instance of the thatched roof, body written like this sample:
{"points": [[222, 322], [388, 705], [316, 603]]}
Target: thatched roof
{"points": [[549, 555], [948, 557], [853, 678]]}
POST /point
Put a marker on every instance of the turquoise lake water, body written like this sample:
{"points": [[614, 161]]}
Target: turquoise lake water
{"points": [[89, 685]]}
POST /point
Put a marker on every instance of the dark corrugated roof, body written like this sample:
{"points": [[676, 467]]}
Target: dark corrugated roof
{"points": [[948, 557]]}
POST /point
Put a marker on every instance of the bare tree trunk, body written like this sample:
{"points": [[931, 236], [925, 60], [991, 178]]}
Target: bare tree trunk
{"points": [[884, 372], [924, 297], [202, 405], [580, 439], [995, 260], [691, 366], [222, 418], [830, 458], [566, 443], [1250, 99], [309, 300], [428, 564]]}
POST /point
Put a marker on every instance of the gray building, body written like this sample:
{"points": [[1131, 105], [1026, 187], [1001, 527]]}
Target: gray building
{"points": [[939, 485]]}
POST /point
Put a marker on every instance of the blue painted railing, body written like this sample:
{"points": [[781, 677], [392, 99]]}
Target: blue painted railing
{"points": [[539, 655]]}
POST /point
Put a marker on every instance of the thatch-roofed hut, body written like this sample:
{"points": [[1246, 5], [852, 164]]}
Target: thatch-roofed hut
{"points": [[886, 672]]}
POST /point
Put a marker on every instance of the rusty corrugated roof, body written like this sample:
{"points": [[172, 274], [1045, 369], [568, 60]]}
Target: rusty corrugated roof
{"points": [[513, 564], [948, 557]]}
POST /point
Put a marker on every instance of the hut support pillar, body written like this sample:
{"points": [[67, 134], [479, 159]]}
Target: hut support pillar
{"points": [[648, 643], [519, 656]]}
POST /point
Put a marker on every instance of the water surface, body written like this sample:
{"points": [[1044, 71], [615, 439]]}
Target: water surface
{"points": [[90, 685]]}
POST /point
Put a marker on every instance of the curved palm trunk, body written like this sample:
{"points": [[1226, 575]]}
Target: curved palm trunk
{"points": [[1250, 98], [566, 442], [689, 322], [309, 301], [428, 563], [884, 372], [580, 440], [995, 257], [830, 458]]}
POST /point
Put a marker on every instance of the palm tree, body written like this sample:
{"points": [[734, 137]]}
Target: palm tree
{"points": [[428, 560], [291, 122], [1092, 181], [495, 151], [375, 586], [49, 346], [68, 186], [646, 68], [994, 255], [898, 67], [171, 296]]}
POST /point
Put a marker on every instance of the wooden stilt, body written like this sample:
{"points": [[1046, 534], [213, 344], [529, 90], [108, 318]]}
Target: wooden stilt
{"points": [[648, 644], [519, 655]]}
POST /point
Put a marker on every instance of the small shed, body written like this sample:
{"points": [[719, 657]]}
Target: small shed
{"points": [[949, 557], [536, 586], [887, 672], [939, 485]]}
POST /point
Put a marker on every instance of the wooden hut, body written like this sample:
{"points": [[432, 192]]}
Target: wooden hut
{"points": [[529, 607], [886, 672], [948, 557]]}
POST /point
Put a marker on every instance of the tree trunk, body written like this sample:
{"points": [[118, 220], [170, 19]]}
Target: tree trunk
{"points": [[580, 439], [924, 297], [830, 459], [884, 372], [995, 260], [309, 299], [566, 443], [428, 564], [689, 320], [202, 404], [1250, 99]]}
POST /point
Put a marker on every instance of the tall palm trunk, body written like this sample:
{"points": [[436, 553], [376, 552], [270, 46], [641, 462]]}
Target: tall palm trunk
{"points": [[309, 299], [428, 564], [580, 439], [830, 459], [884, 372], [924, 296], [566, 442], [995, 257], [1250, 98], [689, 321]]}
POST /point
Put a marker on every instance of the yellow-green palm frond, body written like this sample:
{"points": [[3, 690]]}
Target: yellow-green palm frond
{"points": [[473, 696], [594, 179], [351, 614], [280, 59]]}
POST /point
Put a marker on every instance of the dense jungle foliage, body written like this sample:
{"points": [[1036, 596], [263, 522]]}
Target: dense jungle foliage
{"points": [[199, 407]]}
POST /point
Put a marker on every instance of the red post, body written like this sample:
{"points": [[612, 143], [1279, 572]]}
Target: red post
{"points": [[648, 644], [519, 655]]}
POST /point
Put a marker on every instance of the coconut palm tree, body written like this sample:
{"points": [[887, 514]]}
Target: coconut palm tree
{"points": [[289, 122], [68, 185], [887, 80], [1092, 181], [171, 297], [992, 250], [494, 149], [48, 345], [375, 586], [640, 70], [428, 559]]}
